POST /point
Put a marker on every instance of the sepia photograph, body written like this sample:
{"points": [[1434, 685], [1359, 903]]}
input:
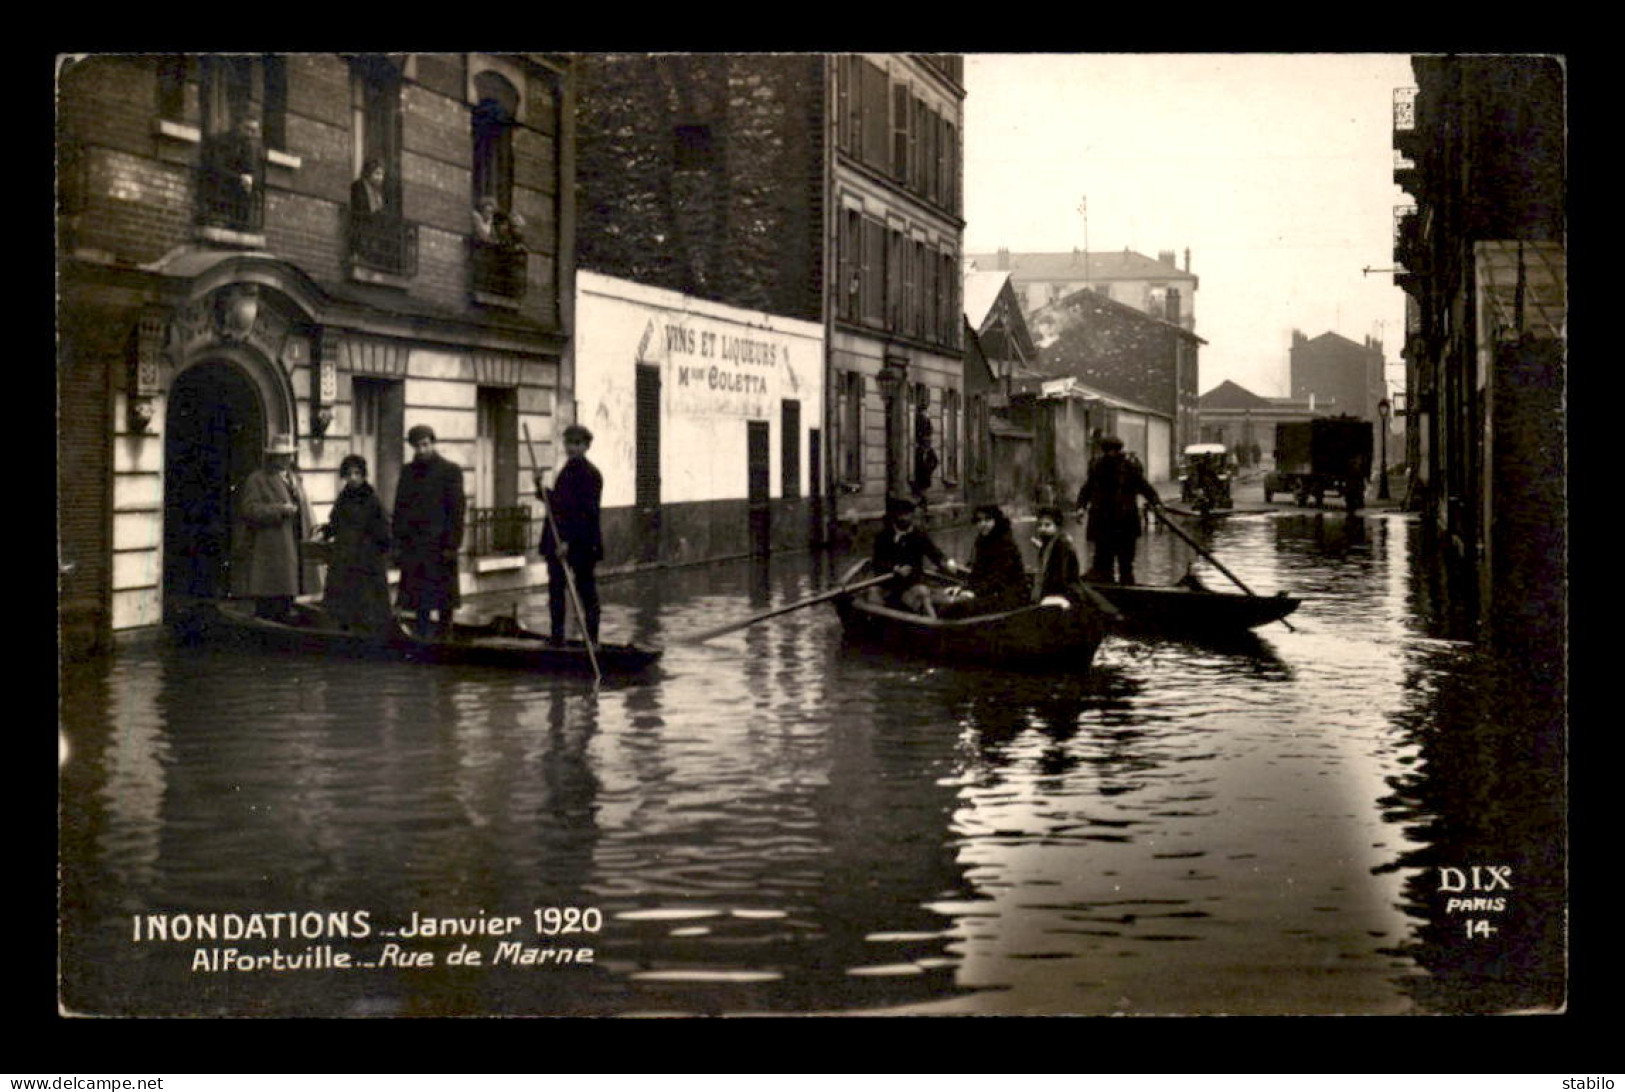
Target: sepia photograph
{"points": [[817, 535]]}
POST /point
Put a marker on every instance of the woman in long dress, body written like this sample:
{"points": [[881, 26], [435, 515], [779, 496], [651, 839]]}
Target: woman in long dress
{"points": [[357, 594]]}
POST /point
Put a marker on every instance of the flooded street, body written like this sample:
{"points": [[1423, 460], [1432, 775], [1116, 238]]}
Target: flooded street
{"points": [[776, 822]]}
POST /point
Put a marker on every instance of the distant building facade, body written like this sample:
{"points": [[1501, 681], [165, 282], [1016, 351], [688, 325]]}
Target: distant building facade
{"points": [[1156, 287], [1340, 375], [231, 269], [1234, 416]]}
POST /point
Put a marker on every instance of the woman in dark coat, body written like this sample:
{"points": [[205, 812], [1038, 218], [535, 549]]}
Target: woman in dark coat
{"points": [[357, 594], [998, 575]]}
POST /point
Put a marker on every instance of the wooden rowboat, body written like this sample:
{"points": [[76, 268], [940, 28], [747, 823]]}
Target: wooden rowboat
{"points": [[1178, 609], [502, 643], [1031, 637]]}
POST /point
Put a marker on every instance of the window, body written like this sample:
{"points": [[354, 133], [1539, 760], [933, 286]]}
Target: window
{"points": [[894, 278], [901, 158], [379, 237], [790, 448], [495, 113], [498, 523], [876, 135], [950, 434], [874, 272], [849, 265], [931, 301], [231, 183], [692, 149], [174, 71], [849, 390]]}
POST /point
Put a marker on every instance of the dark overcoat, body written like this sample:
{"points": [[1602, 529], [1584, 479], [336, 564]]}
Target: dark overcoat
{"points": [[1059, 572], [575, 502], [428, 528], [357, 592], [998, 575], [273, 536], [1109, 493]]}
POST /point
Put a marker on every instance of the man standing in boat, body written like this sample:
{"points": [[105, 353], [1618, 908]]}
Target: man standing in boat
{"points": [[902, 549], [574, 503], [428, 526], [276, 515], [1109, 495]]}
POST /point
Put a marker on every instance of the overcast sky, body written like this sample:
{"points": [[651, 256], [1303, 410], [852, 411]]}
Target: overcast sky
{"points": [[1276, 170]]}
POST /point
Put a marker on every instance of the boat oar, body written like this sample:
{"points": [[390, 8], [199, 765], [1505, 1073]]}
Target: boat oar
{"points": [[569, 574], [1208, 554], [821, 597]]}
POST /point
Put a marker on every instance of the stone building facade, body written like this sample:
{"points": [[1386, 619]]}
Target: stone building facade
{"points": [[225, 276]]}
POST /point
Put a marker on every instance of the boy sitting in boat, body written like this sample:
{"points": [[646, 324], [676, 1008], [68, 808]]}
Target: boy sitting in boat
{"points": [[902, 549], [1059, 581]]}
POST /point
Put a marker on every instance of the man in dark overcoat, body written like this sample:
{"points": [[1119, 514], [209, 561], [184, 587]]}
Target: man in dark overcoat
{"points": [[574, 504], [276, 518], [1109, 495], [428, 526]]}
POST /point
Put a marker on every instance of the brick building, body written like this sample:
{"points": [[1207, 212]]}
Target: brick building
{"points": [[799, 188], [1136, 359], [1481, 146], [1339, 375], [225, 275]]}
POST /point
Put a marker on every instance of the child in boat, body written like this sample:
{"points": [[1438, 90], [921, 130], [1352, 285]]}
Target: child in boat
{"points": [[997, 580], [357, 593], [1059, 579], [903, 549]]}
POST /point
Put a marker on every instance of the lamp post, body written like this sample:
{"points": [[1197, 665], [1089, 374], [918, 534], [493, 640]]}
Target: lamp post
{"points": [[1383, 409]]}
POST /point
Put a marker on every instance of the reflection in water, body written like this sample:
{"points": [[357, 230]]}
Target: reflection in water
{"points": [[774, 822]]}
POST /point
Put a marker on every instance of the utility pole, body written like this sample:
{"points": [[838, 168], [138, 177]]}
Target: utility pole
{"points": [[1083, 208]]}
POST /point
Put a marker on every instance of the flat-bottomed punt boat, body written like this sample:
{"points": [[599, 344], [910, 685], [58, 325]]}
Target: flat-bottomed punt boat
{"points": [[1033, 637], [500, 643], [1180, 609]]}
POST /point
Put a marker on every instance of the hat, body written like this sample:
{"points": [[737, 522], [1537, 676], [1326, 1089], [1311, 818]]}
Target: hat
{"points": [[281, 444], [419, 432], [899, 506], [1111, 442]]}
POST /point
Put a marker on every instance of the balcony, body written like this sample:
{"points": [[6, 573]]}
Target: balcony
{"points": [[1410, 255], [1406, 176], [231, 193], [498, 272], [499, 532], [1407, 135], [381, 249]]}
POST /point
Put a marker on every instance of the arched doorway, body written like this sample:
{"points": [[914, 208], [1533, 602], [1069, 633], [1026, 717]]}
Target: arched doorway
{"points": [[214, 436]]}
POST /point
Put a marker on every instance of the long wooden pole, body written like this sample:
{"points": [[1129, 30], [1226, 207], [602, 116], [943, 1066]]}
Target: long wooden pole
{"points": [[1208, 554], [564, 562], [821, 597]]}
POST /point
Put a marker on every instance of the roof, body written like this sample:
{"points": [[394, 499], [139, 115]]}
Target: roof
{"points": [[1106, 265], [1232, 395], [1068, 387]]}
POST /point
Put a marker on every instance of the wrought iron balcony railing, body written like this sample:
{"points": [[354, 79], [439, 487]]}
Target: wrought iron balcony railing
{"points": [[387, 244], [498, 269], [1404, 109], [231, 186], [494, 532]]}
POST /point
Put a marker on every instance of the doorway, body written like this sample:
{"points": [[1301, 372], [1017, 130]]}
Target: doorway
{"points": [[214, 435]]}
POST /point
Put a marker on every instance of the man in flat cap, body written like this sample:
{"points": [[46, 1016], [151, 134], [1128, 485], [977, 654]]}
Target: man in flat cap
{"points": [[1109, 495], [428, 529]]}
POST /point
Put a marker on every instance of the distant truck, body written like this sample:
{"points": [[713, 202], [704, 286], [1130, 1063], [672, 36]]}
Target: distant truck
{"points": [[1325, 455]]}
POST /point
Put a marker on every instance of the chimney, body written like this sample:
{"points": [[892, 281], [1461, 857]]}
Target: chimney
{"points": [[1004, 259], [1166, 257], [1187, 259]]}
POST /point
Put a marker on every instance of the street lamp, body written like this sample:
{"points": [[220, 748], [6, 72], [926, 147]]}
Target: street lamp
{"points": [[1383, 409]]}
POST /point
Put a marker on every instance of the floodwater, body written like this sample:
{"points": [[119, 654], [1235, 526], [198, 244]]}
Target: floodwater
{"points": [[775, 822]]}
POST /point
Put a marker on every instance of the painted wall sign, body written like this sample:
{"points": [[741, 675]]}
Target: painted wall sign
{"points": [[712, 369]]}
